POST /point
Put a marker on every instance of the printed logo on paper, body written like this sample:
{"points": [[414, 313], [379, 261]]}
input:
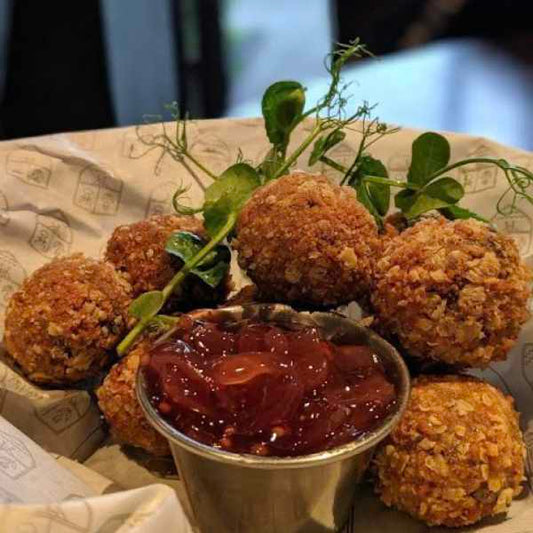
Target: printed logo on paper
{"points": [[15, 458], [478, 177], [212, 151], [4, 210], [518, 225], [7, 497], [61, 518], [12, 275], [123, 521], [52, 236], [398, 165], [10, 381], [98, 192], [30, 167], [131, 146], [160, 200], [65, 413]]}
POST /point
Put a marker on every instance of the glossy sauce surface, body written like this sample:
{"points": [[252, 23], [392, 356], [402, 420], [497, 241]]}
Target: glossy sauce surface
{"points": [[257, 388]]}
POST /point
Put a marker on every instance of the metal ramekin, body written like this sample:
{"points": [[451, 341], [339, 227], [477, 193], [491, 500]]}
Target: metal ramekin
{"points": [[228, 493]]}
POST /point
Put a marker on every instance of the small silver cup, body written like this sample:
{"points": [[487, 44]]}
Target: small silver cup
{"points": [[232, 493]]}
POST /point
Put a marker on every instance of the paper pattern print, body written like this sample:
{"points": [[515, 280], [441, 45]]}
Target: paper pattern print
{"points": [[519, 226], [4, 209], [398, 165], [30, 167], [7, 497], [209, 147], [63, 519], [160, 200], [131, 146], [12, 275], [15, 458], [52, 236], [10, 381], [98, 192], [478, 177], [63, 414], [92, 189]]}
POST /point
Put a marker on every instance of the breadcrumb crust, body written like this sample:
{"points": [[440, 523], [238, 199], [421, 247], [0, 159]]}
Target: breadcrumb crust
{"points": [[456, 456]]}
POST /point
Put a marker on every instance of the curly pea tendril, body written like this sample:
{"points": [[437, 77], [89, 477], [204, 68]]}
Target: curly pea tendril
{"points": [[427, 187]]}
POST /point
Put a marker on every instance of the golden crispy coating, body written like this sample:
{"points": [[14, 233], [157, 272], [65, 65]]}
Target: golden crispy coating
{"points": [[303, 239], [65, 318], [138, 250], [456, 456], [455, 292], [118, 402]]}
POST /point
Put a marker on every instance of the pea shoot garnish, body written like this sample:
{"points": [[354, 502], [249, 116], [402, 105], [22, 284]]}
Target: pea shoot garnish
{"points": [[427, 186]]}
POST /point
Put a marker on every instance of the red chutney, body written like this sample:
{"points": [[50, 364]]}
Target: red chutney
{"points": [[256, 388]]}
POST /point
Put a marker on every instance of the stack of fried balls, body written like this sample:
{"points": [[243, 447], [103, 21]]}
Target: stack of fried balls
{"points": [[449, 292]]}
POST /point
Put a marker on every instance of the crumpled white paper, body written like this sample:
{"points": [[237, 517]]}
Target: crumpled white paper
{"points": [[65, 193]]}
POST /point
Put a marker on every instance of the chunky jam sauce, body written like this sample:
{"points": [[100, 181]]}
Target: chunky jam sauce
{"points": [[256, 388]]}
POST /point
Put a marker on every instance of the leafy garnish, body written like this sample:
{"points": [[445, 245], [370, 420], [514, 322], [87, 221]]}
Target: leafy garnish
{"points": [[441, 193], [378, 193], [223, 200], [147, 305], [454, 212], [282, 106], [324, 144], [427, 186], [228, 194], [144, 308], [213, 269], [287, 100], [430, 153]]}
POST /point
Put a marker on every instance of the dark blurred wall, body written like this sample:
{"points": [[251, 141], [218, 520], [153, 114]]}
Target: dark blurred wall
{"points": [[68, 65], [386, 26], [55, 77]]}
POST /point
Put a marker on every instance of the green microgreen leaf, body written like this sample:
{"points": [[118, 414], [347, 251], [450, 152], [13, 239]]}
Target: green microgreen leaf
{"points": [[454, 212], [271, 164], [404, 199], [228, 194], [212, 269], [364, 197], [147, 305], [324, 144], [282, 107], [379, 194], [430, 153], [435, 195]]}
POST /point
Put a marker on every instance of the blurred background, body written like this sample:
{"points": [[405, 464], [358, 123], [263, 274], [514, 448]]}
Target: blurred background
{"points": [[456, 65]]}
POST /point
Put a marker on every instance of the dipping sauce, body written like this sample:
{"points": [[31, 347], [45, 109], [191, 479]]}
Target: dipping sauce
{"points": [[256, 388]]}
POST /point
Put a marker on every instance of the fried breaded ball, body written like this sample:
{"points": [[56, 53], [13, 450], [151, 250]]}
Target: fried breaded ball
{"points": [[303, 239], [457, 454], [455, 292], [118, 402], [138, 250], [67, 316]]}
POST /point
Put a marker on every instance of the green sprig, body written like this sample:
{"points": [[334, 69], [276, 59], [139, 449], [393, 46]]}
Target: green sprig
{"points": [[426, 187]]}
